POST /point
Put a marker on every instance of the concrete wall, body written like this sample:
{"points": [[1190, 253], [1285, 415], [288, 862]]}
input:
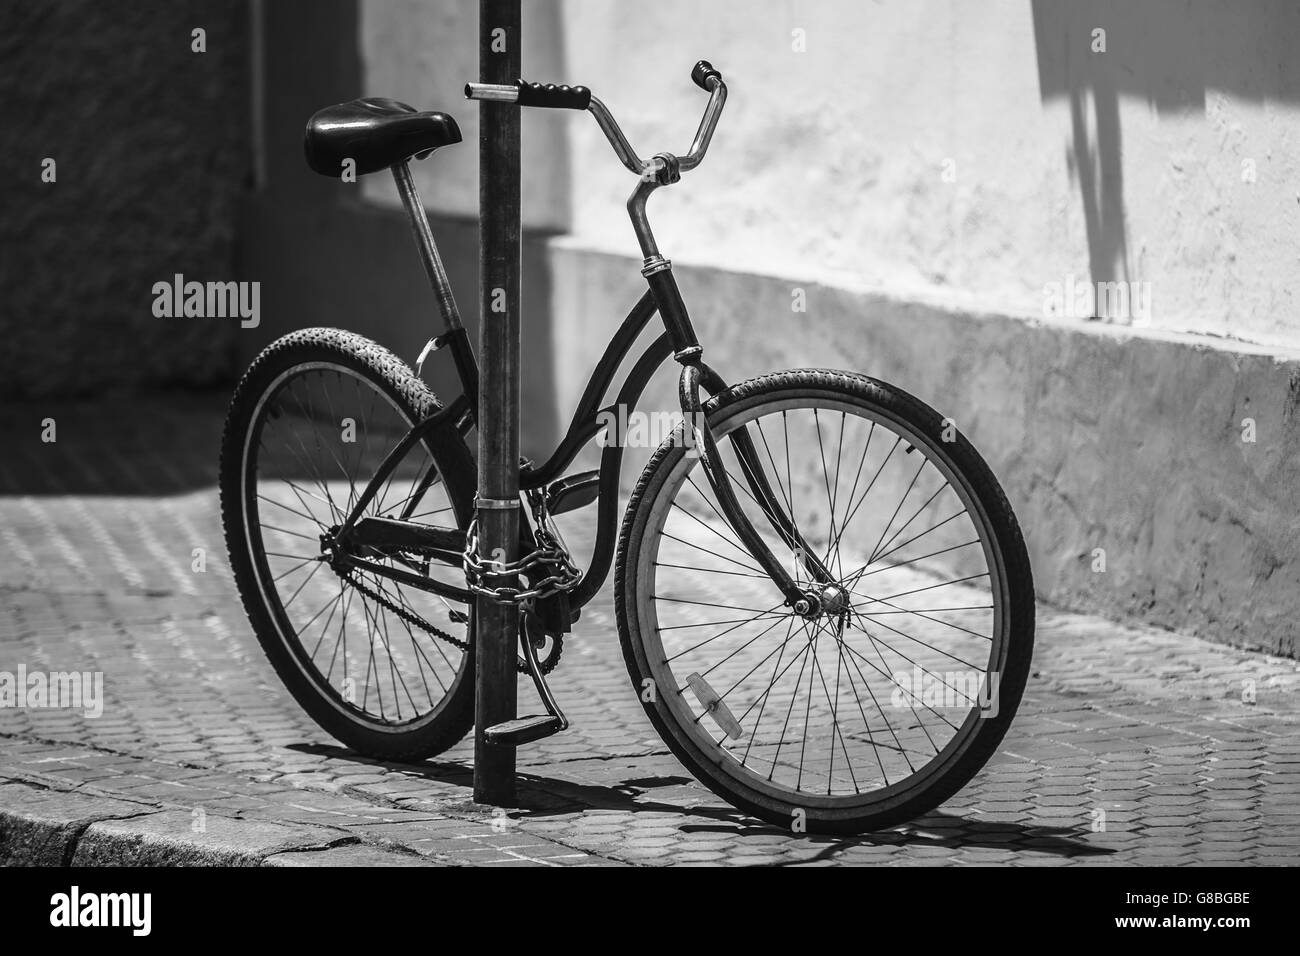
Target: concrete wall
{"points": [[941, 178], [152, 151], [969, 152], [1102, 440]]}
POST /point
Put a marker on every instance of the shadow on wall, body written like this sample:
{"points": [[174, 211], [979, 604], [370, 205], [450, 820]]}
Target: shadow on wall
{"points": [[1166, 53]]}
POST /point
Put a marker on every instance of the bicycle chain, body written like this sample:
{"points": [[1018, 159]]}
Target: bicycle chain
{"points": [[547, 664]]}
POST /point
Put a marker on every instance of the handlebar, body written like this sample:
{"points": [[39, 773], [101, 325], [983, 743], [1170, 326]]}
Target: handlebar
{"points": [[551, 96]]}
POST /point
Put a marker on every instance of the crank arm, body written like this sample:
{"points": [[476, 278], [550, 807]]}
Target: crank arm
{"points": [[535, 671], [524, 730]]}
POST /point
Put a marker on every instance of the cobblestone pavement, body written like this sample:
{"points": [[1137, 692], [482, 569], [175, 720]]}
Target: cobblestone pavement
{"points": [[1131, 746]]}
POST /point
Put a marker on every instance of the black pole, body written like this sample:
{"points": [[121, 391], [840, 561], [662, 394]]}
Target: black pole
{"points": [[497, 625]]}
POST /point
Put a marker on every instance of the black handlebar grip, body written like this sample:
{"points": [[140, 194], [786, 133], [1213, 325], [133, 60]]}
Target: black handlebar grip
{"points": [[701, 72], [552, 96]]}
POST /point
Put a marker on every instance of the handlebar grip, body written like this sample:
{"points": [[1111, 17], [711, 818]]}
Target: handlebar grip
{"points": [[552, 96], [701, 72]]}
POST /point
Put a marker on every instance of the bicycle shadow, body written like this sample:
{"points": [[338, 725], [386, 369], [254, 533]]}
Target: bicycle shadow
{"points": [[540, 795], [939, 829], [965, 834]]}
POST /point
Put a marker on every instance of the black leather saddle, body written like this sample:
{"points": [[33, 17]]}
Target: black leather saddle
{"points": [[375, 133]]}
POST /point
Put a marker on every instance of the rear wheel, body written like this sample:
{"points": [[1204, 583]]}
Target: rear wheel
{"points": [[889, 697], [309, 424]]}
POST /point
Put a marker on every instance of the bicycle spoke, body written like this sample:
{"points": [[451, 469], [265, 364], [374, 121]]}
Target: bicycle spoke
{"points": [[334, 606], [303, 585], [921, 613], [295, 568], [939, 679], [743, 620], [835, 723], [761, 703], [748, 620], [735, 544], [688, 567], [290, 510], [866, 447], [924, 557], [738, 650], [904, 526], [721, 557], [899, 507]]}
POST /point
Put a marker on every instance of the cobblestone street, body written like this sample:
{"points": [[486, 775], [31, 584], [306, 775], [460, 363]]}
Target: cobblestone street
{"points": [[1131, 746]]}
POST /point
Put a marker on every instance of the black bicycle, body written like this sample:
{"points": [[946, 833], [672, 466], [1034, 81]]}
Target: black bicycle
{"points": [[824, 600]]}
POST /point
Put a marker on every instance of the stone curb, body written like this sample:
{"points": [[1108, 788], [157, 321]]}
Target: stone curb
{"points": [[41, 826], [58, 807]]}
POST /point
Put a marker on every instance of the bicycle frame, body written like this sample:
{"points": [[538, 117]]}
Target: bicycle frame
{"points": [[678, 341], [459, 416]]}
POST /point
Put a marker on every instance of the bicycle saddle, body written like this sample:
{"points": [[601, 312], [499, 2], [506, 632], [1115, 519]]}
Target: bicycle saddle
{"points": [[375, 133]]}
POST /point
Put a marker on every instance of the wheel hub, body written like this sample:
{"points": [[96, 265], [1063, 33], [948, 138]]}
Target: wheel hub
{"points": [[834, 600]]}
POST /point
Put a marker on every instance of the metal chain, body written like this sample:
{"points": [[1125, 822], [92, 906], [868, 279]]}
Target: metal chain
{"points": [[550, 554]]}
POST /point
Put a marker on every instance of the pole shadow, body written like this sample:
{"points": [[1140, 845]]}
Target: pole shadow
{"points": [[1166, 54]]}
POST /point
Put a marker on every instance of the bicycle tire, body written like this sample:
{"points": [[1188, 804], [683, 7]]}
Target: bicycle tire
{"points": [[638, 565], [331, 351]]}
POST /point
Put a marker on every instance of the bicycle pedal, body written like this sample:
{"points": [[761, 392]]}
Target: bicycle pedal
{"points": [[524, 730], [572, 492]]}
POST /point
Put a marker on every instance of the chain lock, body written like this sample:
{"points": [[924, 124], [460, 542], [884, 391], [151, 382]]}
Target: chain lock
{"points": [[549, 561]]}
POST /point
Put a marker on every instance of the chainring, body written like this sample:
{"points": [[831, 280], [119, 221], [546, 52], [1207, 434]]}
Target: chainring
{"points": [[547, 656]]}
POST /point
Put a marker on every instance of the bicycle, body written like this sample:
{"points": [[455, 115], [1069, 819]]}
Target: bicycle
{"points": [[806, 655]]}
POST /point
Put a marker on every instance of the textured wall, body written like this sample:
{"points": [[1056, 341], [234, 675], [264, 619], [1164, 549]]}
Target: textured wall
{"points": [[968, 152], [152, 149], [1101, 440], [1126, 163]]}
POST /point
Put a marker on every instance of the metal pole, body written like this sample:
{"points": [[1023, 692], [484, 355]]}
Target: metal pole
{"points": [[498, 421]]}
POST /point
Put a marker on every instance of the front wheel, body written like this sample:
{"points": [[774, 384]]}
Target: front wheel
{"points": [[895, 691]]}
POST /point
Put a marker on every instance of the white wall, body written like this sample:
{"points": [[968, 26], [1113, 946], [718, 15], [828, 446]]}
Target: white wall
{"points": [[423, 52], [829, 163]]}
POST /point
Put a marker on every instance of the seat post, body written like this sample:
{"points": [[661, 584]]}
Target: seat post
{"points": [[428, 248]]}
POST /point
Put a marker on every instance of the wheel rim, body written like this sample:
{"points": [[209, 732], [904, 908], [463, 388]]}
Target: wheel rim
{"points": [[850, 709], [317, 434]]}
